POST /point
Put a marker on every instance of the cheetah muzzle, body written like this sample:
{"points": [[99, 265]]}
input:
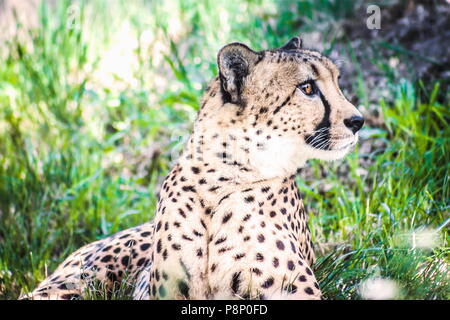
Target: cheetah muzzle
{"points": [[230, 223]]}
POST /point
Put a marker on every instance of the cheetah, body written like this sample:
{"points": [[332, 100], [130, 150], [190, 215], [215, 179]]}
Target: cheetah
{"points": [[230, 222]]}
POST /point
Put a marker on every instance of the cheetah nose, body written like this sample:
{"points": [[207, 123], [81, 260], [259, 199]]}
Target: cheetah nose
{"points": [[354, 123]]}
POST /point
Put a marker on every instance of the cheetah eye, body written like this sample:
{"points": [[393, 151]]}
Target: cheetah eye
{"points": [[308, 88]]}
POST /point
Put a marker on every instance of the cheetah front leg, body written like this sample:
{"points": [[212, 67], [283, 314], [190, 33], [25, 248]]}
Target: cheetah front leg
{"points": [[106, 263]]}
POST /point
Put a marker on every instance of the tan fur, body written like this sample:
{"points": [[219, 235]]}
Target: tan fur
{"points": [[230, 222]]}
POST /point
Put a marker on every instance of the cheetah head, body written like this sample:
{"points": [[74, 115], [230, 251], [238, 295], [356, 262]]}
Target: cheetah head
{"points": [[290, 100]]}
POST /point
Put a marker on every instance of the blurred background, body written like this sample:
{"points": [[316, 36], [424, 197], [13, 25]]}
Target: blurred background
{"points": [[97, 96]]}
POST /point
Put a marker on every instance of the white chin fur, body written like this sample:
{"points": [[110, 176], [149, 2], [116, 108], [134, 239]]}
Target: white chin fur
{"points": [[282, 157], [279, 158]]}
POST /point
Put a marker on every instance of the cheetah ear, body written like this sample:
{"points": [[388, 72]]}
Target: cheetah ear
{"points": [[294, 44], [235, 61]]}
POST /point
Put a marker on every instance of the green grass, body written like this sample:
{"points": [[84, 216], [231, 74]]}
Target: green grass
{"points": [[83, 150]]}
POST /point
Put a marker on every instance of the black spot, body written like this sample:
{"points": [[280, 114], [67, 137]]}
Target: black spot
{"points": [[130, 243], [302, 278], [235, 282], [308, 290], [257, 271], [62, 286], [183, 288], [220, 240], [291, 265], [176, 246], [223, 198], [259, 257], [276, 262], [293, 247], [195, 170], [249, 199], [125, 260], [181, 212], [261, 238], [280, 245], [158, 246], [224, 249], [239, 256], [145, 246], [106, 258], [227, 217], [268, 283], [283, 104], [188, 188], [198, 234], [140, 262], [106, 248]]}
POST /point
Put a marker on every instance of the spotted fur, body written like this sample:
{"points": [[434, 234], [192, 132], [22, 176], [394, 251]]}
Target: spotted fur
{"points": [[230, 221]]}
